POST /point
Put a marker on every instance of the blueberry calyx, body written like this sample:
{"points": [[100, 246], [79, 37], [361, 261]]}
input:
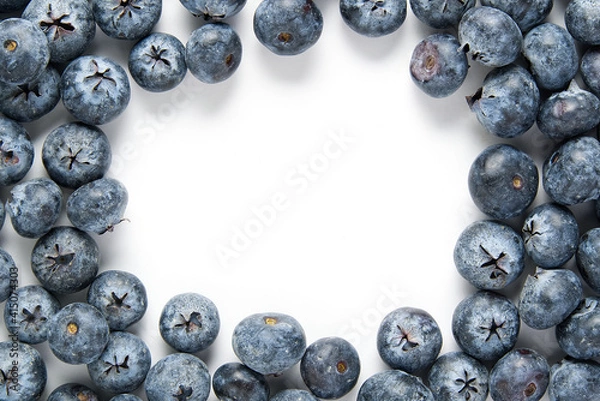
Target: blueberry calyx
{"points": [[467, 385], [195, 321], [404, 340], [184, 393], [116, 365], [493, 330], [56, 23], [33, 318], [60, 259], [127, 6], [118, 302], [11, 45], [497, 271], [100, 76]]}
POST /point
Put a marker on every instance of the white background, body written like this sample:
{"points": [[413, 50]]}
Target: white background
{"points": [[360, 229]]}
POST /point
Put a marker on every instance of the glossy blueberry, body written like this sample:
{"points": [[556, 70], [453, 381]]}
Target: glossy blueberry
{"points": [[294, 395], [590, 69], [73, 392], [35, 306], [126, 19], [65, 260], [571, 174], [120, 296], [581, 17], [78, 333], [125, 397], [179, 376], [98, 206], [235, 381], [213, 9], [123, 365], [503, 181], [330, 367], [522, 374], [213, 52], [579, 334], [502, 88], [409, 339], [489, 254], [16, 151], [8, 271], [69, 26], [394, 385], [95, 89], [287, 27], [23, 374], [8, 6], [527, 14], [457, 376], [157, 62], [485, 325], [373, 18], [189, 322], [34, 206], [440, 14], [572, 379], [269, 343], [24, 53], [587, 257], [436, 65]]}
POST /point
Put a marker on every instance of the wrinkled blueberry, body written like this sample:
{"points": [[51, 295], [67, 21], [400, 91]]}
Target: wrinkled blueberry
{"points": [[126, 19], [179, 376], [394, 385], [235, 381], [16, 152], [579, 334], [440, 14], [572, 379], [457, 376], [521, 375], [373, 18], [23, 374], [587, 257]]}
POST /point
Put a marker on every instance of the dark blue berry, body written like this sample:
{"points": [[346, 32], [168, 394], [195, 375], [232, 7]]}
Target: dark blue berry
{"points": [[579, 334], [373, 18], [440, 14], [16, 152], [587, 257], [126, 19], [8, 268], [527, 14], [213, 9], [235, 381], [73, 392], [581, 18], [573, 379], [394, 385], [457, 376], [23, 374], [179, 376], [521, 375]]}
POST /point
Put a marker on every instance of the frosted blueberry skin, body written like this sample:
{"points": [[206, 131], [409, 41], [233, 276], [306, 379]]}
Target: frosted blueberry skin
{"points": [[95, 89], [189, 322], [571, 174], [235, 381], [436, 65], [550, 235], [294, 395], [581, 17], [287, 27], [521, 375], [73, 392], [178, 376], [394, 385], [457, 376], [330, 367], [126, 19], [125, 397], [587, 257], [490, 36], [590, 69], [373, 18], [34, 206], [32, 373], [485, 325], [213, 52], [35, 306], [503, 181], [572, 379], [494, 102], [440, 14], [527, 14], [120, 296], [269, 343], [157, 62], [212, 10], [7, 265], [16, 151], [489, 254], [69, 26], [579, 334]]}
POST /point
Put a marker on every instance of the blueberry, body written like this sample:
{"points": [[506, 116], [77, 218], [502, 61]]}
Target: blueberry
{"points": [[8, 271], [213, 52], [572, 379], [503, 181], [485, 325], [98, 206], [581, 18], [436, 65], [294, 395], [394, 385], [16, 152], [330, 367], [73, 392], [189, 322], [579, 334], [65, 260], [2, 215], [125, 397], [527, 14], [440, 14], [522, 374], [179, 376], [120, 296], [587, 257], [494, 102], [78, 333], [213, 9], [269, 343], [287, 27], [35, 306], [126, 19], [489, 254], [23, 374], [590, 69], [373, 18], [34, 206], [95, 89], [157, 62], [457, 376], [235, 381]]}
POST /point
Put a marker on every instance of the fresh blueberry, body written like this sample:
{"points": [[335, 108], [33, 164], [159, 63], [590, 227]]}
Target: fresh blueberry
{"points": [[287, 27], [16, 152], [572, 379], [587, 257], [590, 69], [294, 395], [373, 18], [579, 334], [213, 9], [98, 206], [65, 260], [8, 271], [522, 374], [78, 333], [269, 343], [486, 325], [126, 19], [235, 381], [330, 367], [2, 215], [436, 65], [8, 6], [157, 62], [581, 18], [503, 181], [73, 392], [213, 52], [394, 385], [489, 254], [34, 206], [179, 376], [189, 322], [23, 374], [120, 296], [456, 376], [501, 90], [125, 397], [440, 14], [95, 89], [527, 14]]}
